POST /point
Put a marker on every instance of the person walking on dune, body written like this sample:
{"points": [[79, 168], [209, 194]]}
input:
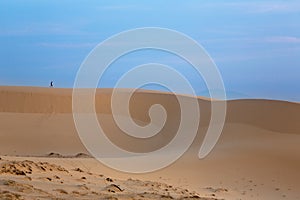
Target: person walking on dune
{"points": [[51, 84]]}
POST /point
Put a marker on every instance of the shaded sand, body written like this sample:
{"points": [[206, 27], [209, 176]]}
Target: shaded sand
{"points": [[257, 156]]}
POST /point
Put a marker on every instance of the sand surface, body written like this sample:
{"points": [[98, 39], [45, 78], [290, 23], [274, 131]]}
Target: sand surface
{"points": [[42, 157]]}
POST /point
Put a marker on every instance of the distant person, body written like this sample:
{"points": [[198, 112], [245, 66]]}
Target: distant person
{"points": [[51, 84]]}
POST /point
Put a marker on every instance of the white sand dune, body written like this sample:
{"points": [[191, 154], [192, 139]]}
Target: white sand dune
{"points": [[257, 156]]}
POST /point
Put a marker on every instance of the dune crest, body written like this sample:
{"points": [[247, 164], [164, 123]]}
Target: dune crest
{"points": [[272, 115]]}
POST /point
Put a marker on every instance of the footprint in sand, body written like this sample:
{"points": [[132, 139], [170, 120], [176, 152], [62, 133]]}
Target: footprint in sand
{"points": [[109, 180], [78, 170], [113, 188], [61, 191]]}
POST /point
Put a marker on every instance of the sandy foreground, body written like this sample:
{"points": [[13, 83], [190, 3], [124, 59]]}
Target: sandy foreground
{"points": [[42, 157]]}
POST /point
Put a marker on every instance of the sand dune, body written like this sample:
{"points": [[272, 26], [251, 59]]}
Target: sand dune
{"points": [[257, 156], [268, 114]]}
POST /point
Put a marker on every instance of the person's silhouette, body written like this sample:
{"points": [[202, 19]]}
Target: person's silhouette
{"points": [[51, 84]]}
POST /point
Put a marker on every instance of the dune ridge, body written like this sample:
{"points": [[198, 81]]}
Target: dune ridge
{"points": [[280, 116]]}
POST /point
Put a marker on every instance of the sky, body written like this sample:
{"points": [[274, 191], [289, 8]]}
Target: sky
{"points": [[255, 44]]}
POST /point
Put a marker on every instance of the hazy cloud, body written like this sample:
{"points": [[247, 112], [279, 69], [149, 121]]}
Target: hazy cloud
{"points": [[284, 39], [67, 45], [268, 7]]}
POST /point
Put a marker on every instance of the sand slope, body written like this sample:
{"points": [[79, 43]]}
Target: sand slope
{"points": [[257, 156], [32, 179]]}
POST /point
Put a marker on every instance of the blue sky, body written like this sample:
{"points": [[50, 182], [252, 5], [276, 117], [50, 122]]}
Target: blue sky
{"points": [[255, 44]]}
